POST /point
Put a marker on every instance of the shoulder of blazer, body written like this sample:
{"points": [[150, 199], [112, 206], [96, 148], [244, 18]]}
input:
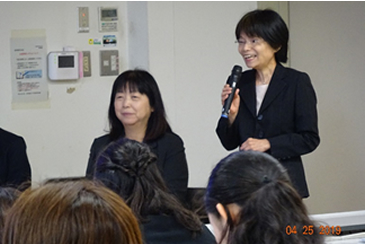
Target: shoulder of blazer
{"points": [[171, 136], [289, 74], [104, 138], [281, 73], [167, 140], [101, 142], [8, 138]]}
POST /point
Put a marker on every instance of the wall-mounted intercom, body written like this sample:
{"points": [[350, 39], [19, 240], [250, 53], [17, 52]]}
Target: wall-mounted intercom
{"points": [[63, 65], [108, 19]]}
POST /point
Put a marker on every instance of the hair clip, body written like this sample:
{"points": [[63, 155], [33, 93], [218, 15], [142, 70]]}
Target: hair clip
{"points": [[266, 179]]}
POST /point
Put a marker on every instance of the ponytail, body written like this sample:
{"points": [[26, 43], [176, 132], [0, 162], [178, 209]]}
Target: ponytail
{"points": [[268, 202], [267, 214], [129, 169]]}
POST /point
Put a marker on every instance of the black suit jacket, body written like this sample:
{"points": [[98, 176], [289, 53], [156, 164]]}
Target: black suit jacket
{"points": [[171, 161], [14, 164], [287, 118]]}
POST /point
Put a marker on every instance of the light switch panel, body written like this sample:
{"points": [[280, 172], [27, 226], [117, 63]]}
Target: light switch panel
{"points": [[83, 19], [109, 62]]}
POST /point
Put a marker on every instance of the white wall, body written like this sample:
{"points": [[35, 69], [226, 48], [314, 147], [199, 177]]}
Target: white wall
{"points": [[59, 137], [327, 40], [192, 52], [189, 48]]}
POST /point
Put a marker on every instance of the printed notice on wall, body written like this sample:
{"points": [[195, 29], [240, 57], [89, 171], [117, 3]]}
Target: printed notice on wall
{"points": [[28, 66]]}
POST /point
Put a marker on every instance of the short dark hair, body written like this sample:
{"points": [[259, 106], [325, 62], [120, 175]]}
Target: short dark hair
{"points": [[129, 168], [261, 187], [144, 83], [268, 25]]}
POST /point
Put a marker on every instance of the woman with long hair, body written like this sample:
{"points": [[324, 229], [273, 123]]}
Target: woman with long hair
{"points": [[129, 168], [136, 111], [250, 200]]}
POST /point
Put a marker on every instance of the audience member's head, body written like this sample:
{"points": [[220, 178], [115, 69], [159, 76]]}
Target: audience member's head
{"points": [[251, 200], [75, 211], [8, 195], [129, 169]]}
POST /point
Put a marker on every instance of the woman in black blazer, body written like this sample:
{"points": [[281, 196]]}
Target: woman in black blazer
{"points": [[136, 111], [274, 108]]}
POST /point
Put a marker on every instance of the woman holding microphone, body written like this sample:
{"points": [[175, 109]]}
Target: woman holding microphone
{"points": [[274, 108]]}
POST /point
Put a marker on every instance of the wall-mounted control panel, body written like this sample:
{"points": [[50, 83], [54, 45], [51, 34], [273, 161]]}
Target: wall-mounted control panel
{"points": [[108, 19], [63, 65]]}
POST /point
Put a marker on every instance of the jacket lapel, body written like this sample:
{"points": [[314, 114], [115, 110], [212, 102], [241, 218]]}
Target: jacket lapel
{"points": [[276, 85]]}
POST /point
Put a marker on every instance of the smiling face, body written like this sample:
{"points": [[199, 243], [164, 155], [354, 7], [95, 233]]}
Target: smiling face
{"points": [[132, 108], [256, 52]]}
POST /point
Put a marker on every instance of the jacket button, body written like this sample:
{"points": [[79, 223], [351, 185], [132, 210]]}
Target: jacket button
{"points": [[261, 134], [260, 117]]}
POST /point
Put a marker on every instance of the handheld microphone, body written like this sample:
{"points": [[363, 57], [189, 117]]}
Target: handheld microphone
{"points": [[233, 80]]}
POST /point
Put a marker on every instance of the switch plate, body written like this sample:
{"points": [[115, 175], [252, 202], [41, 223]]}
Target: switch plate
{"points": [[86, 61], [83, 19], [109, 62]]}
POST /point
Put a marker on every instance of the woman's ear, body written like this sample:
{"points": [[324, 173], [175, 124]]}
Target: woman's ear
{"points": [[278, 49], [222, 212], [232, 209]]}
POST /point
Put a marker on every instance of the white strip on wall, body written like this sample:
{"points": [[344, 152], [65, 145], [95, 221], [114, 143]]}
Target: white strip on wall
{"points": [[341, 218]]}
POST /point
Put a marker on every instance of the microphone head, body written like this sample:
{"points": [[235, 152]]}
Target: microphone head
{"points": [[237, 69]]}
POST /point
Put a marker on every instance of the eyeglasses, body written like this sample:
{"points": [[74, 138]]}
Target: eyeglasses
{"points": [[254, 41]]}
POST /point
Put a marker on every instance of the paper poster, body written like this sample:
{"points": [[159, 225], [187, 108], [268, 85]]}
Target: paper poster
{"points": [[28, 66]]}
